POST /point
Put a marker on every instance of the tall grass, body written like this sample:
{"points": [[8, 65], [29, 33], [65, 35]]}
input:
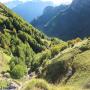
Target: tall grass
{"points": [[40, 84]]}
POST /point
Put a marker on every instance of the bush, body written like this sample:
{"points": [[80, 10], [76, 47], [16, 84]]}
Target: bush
{"points": [[37, 84], [84, 48], [73, 42], [55, 71], [54, 51], [57, 48], [19, 71]]}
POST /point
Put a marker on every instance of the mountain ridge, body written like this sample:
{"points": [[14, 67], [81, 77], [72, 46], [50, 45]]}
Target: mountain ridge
{"points": [[72, 23], [12, 4], [29, 13], [48, 14]]}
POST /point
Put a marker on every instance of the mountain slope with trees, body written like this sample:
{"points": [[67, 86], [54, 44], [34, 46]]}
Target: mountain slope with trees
{"points": [[24, 43], [27, 53], [71, 23]]}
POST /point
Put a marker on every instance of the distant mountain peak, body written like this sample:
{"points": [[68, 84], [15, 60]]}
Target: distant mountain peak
{"points": [[12, 4], [71, 23], [31, 9], [80, 4]]}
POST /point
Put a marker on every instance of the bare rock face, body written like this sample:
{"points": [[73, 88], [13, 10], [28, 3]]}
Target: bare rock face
{"points": [[80, 4]]}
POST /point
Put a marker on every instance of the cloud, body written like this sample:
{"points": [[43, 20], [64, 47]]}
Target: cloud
{"points": [[5, 1], [25, 0], [56, 2]]}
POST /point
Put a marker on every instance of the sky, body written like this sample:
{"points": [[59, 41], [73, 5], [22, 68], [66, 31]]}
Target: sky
{"points": [[56, 2]]}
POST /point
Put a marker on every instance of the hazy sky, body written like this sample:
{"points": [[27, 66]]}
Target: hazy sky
{"points": [[54, 1]]}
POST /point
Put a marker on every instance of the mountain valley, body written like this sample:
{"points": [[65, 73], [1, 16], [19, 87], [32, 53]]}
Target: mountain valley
{"points": [[31, 60]]}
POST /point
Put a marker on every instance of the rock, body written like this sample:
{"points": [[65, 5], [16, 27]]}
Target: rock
{"points": [[7, 75]]}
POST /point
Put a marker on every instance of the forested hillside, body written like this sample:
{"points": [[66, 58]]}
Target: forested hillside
{"points": [[24, 44]]}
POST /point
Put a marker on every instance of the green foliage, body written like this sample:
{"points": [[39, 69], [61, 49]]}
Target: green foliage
{"points": [[14, 61], [3, 39], [39, 59], [8, 23], [73, 42], [23, 39], [40, 84], [56, 41], [57, 48], [37, 84], [48, 54], [19, 71], [85, 46], [56, 71], [4, 60], [3, 84], [24, 43]]}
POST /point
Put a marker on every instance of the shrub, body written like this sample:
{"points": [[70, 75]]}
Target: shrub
{"points": [[54, 51], [84, 48], [55, 71], [37, 84], [19, 71], [73, 42]]}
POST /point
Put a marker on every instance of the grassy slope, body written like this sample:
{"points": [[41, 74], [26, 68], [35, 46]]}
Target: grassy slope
{"points": [[71, 57], [82, 74], [40, 84]]}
